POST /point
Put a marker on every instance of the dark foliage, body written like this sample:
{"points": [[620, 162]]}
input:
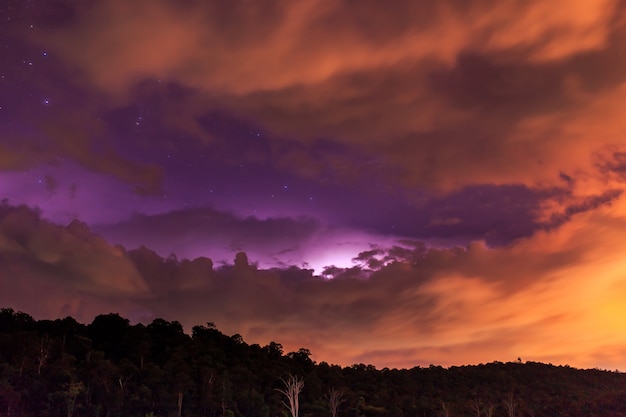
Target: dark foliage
{"points": [[112, 368]]}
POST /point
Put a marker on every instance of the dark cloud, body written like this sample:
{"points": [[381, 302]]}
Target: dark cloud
{"points": [[199, 231], [368, 77], [423, 293], [48, 267], [51, 184], [514, 94], [502, 89], [429, 303], [13, 159], [75, 135], [79, 140], [84, 257]]}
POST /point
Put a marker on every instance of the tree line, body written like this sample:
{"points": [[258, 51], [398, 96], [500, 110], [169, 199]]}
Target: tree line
{"points": [[110, 368]]}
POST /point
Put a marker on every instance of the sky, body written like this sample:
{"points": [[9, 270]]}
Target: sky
{"points": [[423, 182]]}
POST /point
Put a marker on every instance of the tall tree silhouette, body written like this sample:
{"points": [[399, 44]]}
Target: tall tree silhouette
{"points": [[293, 388]]}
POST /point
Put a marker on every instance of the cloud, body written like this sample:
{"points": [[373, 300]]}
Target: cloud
{"points": [[62, 270], [197, 231], [75, 135], [240, 48], [13, 158], [76, 138], [278, 241], [540, 298], [439, 94]]}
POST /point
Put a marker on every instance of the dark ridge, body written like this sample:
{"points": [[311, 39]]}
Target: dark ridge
{"points": [[113, 368]]}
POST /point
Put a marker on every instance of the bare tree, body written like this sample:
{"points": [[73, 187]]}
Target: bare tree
{"points": [[43, 353], [334, 398], [73, 390], [445, 409], [481, 409], [510, 405], [293, 388], [477, 407], [180, 403]]}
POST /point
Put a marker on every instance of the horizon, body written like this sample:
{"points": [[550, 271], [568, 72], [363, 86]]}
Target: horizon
{"points": [[311, 355]]}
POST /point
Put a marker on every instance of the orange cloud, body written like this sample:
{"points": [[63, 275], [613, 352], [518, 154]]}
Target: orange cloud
{"points": [[239, 48], [56, 270], [556, 296], [443, 95]]}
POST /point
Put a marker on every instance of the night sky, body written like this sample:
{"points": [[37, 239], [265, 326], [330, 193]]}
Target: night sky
{"points": [[412, 183]]}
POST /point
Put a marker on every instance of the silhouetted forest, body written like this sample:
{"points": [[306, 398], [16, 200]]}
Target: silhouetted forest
{"points": [[112, 368]]}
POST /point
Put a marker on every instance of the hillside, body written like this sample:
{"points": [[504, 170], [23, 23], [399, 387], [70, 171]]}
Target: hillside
{"points": [[112, 368]]}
